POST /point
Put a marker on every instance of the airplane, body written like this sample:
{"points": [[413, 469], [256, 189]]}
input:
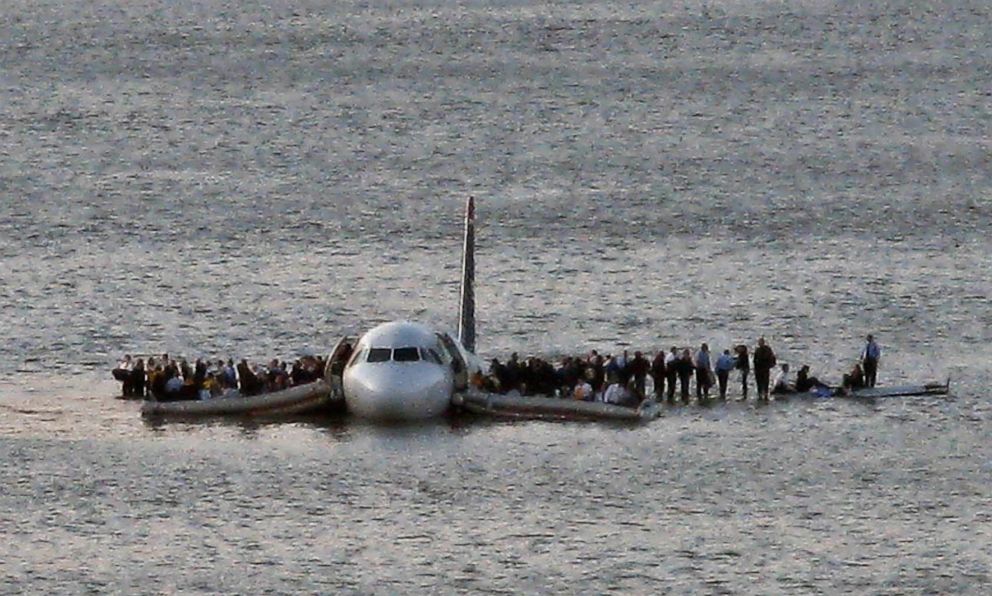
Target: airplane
{"points": [[405, 370]]}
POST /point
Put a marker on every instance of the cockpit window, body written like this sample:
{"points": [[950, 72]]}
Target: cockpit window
{"points": [[406, 355], [430, 355], [379, 355]]}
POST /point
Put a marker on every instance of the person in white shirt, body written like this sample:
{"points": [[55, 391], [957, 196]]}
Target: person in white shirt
{"points": [[583, 391], [615, 394], [782, 384], [123, 374], [671, 374], [174, 386]]}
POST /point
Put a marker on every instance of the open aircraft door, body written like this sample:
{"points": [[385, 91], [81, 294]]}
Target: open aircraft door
{"points": [[334, 369], [458, 365]]}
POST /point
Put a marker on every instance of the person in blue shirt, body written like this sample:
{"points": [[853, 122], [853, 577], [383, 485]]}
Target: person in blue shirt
{"points": [[724, 364], [869, 361]]}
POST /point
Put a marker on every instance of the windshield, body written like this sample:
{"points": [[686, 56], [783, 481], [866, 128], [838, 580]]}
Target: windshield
{"points": [[379, 355], [406, 354]]}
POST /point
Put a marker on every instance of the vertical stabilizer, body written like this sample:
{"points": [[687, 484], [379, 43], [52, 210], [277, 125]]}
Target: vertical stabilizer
{"points": [[466, 320]]}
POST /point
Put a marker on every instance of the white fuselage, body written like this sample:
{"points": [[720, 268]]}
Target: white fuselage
{"points": [[403, 371]]}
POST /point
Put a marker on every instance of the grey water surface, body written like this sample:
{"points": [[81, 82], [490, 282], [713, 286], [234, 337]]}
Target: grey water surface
{"points": [[255, 179]]}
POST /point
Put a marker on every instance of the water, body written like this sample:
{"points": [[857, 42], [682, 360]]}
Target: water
{"points": [[248, 179]]}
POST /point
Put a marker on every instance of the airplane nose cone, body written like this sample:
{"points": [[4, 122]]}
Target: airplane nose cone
{"points": [[397, 391]]}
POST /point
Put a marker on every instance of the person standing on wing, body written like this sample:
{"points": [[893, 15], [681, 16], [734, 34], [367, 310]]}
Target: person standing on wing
{"points": [[869, 361], [743, 364], [703, 372], [764, 362], [671, 372], [724, 364]]}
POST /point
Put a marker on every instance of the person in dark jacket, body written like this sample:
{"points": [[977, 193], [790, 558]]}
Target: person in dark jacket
{"points": [[854, 379], [639, 368], [805, 383], [703, 372], [597, 365], [764, 362], [138, 378], [250, 384], [658, 373], [199, 373]]}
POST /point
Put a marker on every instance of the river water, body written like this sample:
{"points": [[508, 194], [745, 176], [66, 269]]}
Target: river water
{"points": [[256, 179]]}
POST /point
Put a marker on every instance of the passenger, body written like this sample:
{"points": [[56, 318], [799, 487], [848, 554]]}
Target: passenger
{"points": [[743, 364], [724, 364], [278, 375], [598, 367], [138, 378], [185, 370], [525, 384], [616, 394], [123, 374], [782, 384], [211, 388], [764, 362], [869, 361], [639, 367], [199, 373], [569, 375], [156, 382], [703, 372], [854, 379], [549, 379], [346, 351], [671, 372], [583, 391], [623, 368], [497, 372], [685, 368], [612, 369], [633, 397], [250, 385], [512, 372], [173, 385], [806, 383], [230, 375], [217, 372], [339, 362], [297, 375], [658, 373]]}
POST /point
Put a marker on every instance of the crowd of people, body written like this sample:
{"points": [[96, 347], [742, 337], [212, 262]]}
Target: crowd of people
{"points": [[621, 379], [169, 379]]}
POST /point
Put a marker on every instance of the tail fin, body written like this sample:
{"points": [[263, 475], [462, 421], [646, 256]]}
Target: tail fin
{"points": [[466, 320]]}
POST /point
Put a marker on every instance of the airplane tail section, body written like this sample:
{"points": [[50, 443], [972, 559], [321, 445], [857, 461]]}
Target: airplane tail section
{"points": [[466, 320]]}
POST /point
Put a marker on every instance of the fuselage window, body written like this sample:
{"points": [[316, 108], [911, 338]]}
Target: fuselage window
{"points": [[379, 355], [406, 354]]}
